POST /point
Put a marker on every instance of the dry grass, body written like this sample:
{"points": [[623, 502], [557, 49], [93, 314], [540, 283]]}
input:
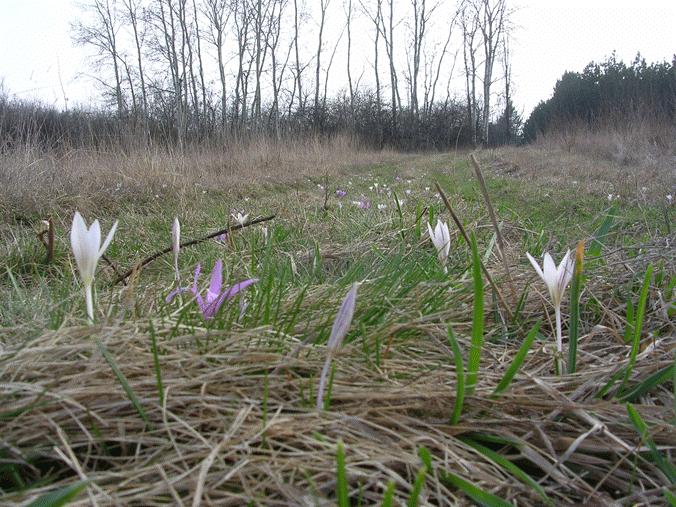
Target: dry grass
{"points": [[219, 439], [33, 181], [557, 167]]}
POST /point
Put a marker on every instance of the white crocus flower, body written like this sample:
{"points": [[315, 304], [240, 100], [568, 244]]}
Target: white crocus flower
{"points": [[556, 280], [176, 245], [241, 219], [87, 250], [442, 241]]}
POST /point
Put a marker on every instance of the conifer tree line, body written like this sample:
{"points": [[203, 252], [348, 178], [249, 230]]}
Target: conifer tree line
{"points": [[610, 93], [408, 74]]}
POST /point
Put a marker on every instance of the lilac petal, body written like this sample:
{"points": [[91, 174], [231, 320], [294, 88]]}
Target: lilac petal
{"points": [[195, 289], [238, 287], [176, 292], [228, 294], [198, 269], [343, 319], [216, 282], [340, 327]]}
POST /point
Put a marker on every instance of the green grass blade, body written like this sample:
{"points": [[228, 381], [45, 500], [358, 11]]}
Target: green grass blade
{"points": [[477, 319], [418, 221], [629, 330], [459, 377], [518, 360], [388, 497], [425, 457], [601, 233], [341, 476], [574, 322], [156, 364], [670, 498], [510, 467], [642, 428], [329, 388], [400, 214], [123, 381], [473, 491], [60, 497], [417, 488], [608, 386], [638, 324], [663, 375]]}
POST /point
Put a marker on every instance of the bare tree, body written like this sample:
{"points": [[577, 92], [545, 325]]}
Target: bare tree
{"points": [[101, 33], [421, 16], [430, 93], [349, 54], [133, 18], [218, 13], [469, 24], [166, 43], [200, 63], [490, 16], [388, 36], [323, 6], [507, 73], [299, 70], [277, 73], [328, 70], [242, 20]]}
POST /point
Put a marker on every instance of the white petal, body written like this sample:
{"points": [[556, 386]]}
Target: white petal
{"points": [[109, 238], [78, 233], [94, 237], [431, 232], [81, 242], [550, 274], [535, 265], [176, 234], [565, 271]]}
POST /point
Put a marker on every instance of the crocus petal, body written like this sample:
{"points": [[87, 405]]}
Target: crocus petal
{"points": [[549, 269], [565, 270], [176, 234], [195, 289], [85, 247], [216, 282], [536, 266], [94, 239], [212, 309], [343, 319], [238, 287], [551, 277], [446, 238], [176, 292], [78, 233], [109, 238]]}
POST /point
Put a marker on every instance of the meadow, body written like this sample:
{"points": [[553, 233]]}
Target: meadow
{"points": [[446, 389]]}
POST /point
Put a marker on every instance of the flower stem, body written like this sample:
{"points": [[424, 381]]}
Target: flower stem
{"points": [[559, 338], [89, 299]]}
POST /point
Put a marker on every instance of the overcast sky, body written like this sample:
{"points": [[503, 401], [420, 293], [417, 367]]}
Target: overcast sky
{"points": [[38, 59]]}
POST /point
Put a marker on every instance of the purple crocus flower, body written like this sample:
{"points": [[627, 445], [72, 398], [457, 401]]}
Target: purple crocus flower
{"points": [[341, 193], [363, 203], [215, 296]]}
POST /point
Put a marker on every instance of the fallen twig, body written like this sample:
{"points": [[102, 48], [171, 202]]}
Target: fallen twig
{"points": [[156, 255]]}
